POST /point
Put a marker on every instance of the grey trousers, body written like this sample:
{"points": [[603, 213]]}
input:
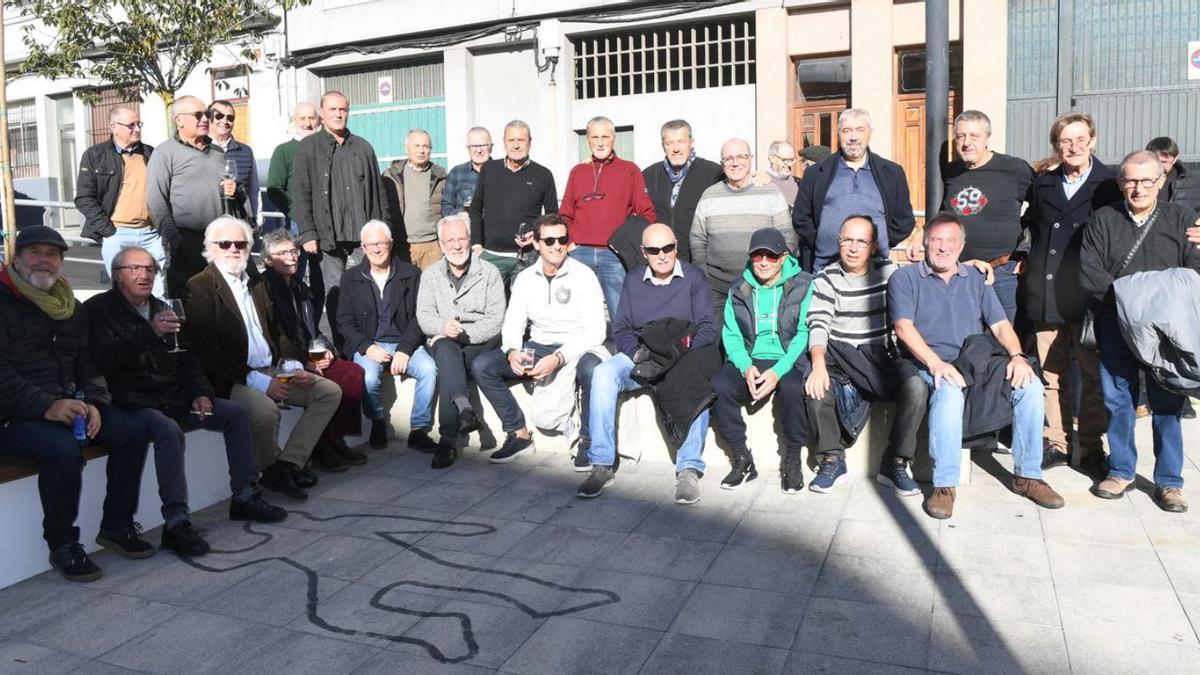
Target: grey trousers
{"points": [[320, 401]]}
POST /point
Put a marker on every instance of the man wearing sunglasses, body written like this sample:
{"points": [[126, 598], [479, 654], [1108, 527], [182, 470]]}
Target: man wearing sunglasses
{"points": [[245, 200], [111, 191], [664, 288], [558, 302], [186, 191]]}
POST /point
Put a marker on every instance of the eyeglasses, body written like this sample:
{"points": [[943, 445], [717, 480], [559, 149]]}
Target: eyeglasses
{"points": [[217, 116], [288, 253], [484, 146], [735, 158], [130, 126], [759, 256], [593, 197], [1146, 183], [853, 244], [550, 241], [239, 245], [140, 269], [376, 244], [655, 250], [1080, 142], [197, 114]]}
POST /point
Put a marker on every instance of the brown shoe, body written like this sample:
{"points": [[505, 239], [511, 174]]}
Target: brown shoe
{"points": [[940, 503], [1142, 411], [1038, 492], [1113, 488], [1171, 500]]}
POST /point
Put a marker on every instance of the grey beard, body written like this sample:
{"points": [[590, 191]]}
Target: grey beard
{"points": [[233, 269], [42, 281]]}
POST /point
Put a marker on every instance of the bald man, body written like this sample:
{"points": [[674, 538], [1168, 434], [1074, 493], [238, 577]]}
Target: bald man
{"points": [[413, 187]]}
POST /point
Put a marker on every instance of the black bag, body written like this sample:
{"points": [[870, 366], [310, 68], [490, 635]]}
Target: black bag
{"points": [[1087, 330]]}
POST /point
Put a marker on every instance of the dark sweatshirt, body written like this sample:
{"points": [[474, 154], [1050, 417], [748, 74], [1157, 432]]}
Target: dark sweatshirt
{"points": [[684, 298], [504, 199]]}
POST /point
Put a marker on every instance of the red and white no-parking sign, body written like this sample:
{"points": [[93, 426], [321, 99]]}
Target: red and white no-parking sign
{"points": [[1194, 60]]}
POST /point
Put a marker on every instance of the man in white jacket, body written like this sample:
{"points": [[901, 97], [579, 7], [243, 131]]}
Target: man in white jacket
{"points": [[560, 302]]}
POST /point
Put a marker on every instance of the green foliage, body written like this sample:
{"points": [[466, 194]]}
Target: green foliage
{"points": [[143, 46]]}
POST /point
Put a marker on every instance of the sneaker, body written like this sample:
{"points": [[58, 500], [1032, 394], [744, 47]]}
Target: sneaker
{"points": [[940, 503], [743, 471], [1171, 500], [128, 542], [184, 540], [304, 477], [279, 478], [256, 509], [1054, 454], [600, 478], [514, 447], [1038, 492], [447, 453], [582, 463], [326, 458], [687, 487], [828, 473], [1112, 488], [893, 472], [791, 478], [378, 437], [468, 421], [1094, 465], [419, 440], [73, 563], [1188, 413]]}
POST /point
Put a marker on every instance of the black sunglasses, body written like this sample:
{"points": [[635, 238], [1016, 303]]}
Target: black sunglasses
{"points": [[655, 250], [561, 241], [239, 245], [217, 116], [199, 114]]}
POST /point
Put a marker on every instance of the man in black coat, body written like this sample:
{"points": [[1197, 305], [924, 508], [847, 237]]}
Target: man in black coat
{"points": [[164, 389], [837, 188], [676, 183], [48, 385]]}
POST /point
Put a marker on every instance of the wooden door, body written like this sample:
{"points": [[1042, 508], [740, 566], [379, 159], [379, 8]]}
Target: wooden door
{"points": [[908, 147], [816, 124]]}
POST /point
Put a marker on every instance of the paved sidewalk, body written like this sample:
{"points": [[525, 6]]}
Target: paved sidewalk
{"points": [[394, 567]]}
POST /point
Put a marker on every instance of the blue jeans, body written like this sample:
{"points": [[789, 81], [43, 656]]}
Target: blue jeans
{"points": [[609, 272], [611, 378], [1119, 370], [1005, 287], [420, 367], [946, 404], [142, 237]]}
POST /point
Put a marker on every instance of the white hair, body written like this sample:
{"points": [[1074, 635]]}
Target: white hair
{"points": [[222, 222], [375, 225], [854, 112], [461, 217], [601, 120]]}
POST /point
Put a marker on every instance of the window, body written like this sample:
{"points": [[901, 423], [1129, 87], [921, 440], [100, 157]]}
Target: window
{"points": [[668, 58], [622, 144], [823, 79], [233, 85], [22, 138], [912, 70]]}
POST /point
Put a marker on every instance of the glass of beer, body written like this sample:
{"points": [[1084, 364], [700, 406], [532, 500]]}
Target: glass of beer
{"points": [[285, 372], [317, 349], [527, 358]]}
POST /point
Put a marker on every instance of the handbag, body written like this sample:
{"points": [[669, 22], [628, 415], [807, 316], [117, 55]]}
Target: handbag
{"points": [[1087, 329]]}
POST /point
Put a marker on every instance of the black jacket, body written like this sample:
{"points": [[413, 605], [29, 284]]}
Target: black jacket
{"points": [[311, 207], [680, 378], [358, 316], [626, 242], [810, 201], [99, 184], [299, 327], [42, 360], [140, 372], [983, 363], [1050, 289], [702, 175], [1183, 187]]}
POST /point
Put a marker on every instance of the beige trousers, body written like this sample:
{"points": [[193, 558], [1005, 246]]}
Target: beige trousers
{"points": [[319, 400], [425, 254], [1053, 343]]}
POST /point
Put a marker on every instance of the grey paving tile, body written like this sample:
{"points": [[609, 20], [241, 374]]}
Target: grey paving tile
{"points": [[966, 552], [255, 542], [482, 474], [678, 653], [181, 584], [788, 569], [782, 528], [405, 523], [376, 489], [875, 580], [539, 589], [1016, 516], [573, 645], [609, 513], [1096, 563], [696, 521], [99, 625], [888, 634], [274, 595], [496, 633], [971, 644], [102, 668], [194, 642], [23, 657], [1150, 615], [506, 534], [872, 502], [407, 465], [1181, 568], [573, 546], [343, 557], [645, 602], [424, 565], [909, 547], [808, 662], [523, 505], [1128, 654], [669, 557], [43, 597], [368, 614], [391, 662], [999, 597], [444, 496], [1094, 525], [296, 653], [324, 514], [746, 615]]}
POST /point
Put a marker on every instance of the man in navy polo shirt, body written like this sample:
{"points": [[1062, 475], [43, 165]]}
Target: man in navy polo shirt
{"points": [[936, 305]]}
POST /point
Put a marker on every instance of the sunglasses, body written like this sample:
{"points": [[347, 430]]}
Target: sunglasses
{"points": [[198, 115], [217, 116], [239, 245], [655, 250], [550, 241], [759, 256]]}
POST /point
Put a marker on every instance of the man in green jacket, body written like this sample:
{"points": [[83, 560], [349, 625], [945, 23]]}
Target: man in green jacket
{"points": [[279, 191], [765, 333]]}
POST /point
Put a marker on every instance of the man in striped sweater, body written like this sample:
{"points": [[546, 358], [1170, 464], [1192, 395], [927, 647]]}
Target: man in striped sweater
{"points": [[728, 214], [847, 340]]}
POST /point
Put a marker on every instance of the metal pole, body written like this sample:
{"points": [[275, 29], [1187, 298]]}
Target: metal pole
{"points": [[10, 210], [937, 97]]}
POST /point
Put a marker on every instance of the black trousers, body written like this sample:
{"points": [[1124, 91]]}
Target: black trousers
{"points": [[732, 393], [453, 360], [911, 397]]}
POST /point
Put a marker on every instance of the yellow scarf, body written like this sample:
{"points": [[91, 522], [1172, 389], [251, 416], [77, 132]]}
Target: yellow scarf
{"points": [[58, 303]]}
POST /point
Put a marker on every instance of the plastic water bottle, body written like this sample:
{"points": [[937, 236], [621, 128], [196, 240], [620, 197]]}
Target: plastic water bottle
{"points": [[80, 426]]}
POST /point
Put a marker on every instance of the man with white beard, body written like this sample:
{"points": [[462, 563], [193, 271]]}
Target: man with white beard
{"points": [[232, 326]]}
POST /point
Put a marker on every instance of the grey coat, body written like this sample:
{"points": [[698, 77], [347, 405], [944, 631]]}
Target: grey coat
{"points": [[478, 304], [1163, 335]]}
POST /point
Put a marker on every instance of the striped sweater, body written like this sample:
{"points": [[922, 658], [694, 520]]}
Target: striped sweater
{"points": [[848, 308]]}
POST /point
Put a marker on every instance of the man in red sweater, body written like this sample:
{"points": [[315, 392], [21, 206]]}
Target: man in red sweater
{"points": [[601, 193]]}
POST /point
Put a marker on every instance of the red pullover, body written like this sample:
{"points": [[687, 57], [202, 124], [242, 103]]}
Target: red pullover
{"points": [[600, 195]]}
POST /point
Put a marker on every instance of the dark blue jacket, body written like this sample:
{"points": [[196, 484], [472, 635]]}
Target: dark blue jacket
{"points": [[642, 302]]}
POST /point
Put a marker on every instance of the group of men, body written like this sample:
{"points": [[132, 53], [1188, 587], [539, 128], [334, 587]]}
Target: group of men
{"points": [[711, 285]]}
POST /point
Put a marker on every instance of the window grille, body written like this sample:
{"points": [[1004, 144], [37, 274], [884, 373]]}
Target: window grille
{"points": [[667, 58], [22, 138], [110, 98]]}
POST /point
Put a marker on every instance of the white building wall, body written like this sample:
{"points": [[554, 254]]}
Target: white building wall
{"points": [[507, 88]]}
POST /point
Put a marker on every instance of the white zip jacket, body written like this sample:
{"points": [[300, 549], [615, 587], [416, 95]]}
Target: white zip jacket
{"points": [[565, 310]]}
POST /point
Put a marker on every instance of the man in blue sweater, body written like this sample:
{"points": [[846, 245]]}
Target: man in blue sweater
{"points": [[665, 287]]}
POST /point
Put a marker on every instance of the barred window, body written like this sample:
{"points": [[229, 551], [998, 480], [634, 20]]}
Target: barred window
{"points": [[22, 138], [668, 58], [110, 97]]}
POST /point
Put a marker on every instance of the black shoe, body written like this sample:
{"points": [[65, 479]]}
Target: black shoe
{"points": [[1054, 455], [73, 563], [446, 453], [184, 540], [257, 509], [326, 458], [514, 447], [468, 421], [791, 478], [1189, 411], [128, 542], [419, 440], [279, 478], [304, 478], [743, 471], [1094, 465], [582, 464], [378, 438], [350, 456]]}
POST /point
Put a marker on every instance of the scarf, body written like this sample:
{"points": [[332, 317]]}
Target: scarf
{"points": [[676, 177], [58, 303]]}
